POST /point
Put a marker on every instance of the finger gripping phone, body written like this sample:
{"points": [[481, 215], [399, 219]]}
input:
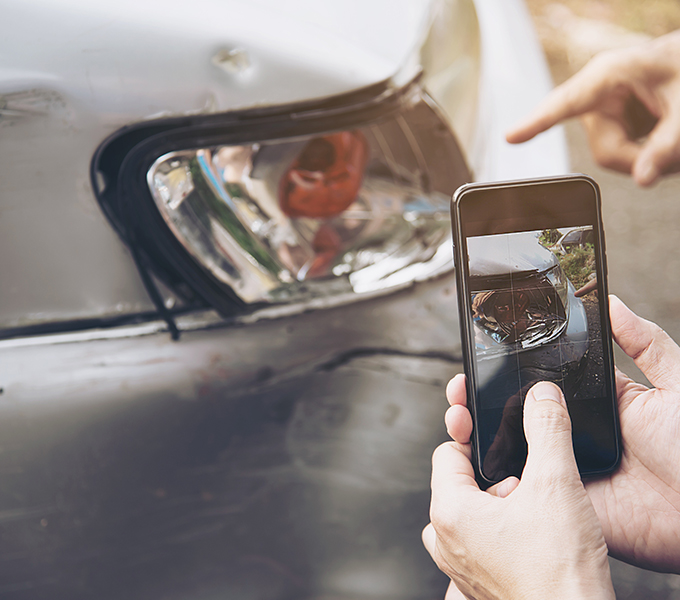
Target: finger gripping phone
{"points": [[532, 295]]}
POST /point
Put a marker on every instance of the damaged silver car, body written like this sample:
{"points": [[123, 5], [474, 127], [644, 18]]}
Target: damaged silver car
{"points": [[227, 311]]}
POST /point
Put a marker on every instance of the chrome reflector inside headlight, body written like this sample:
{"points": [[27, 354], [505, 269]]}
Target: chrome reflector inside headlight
{"points": [[360, 209]]}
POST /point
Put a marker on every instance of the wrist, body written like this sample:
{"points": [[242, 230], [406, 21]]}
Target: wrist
{"points": [[586, 590], [588, 582], [583, 581], [573, 590]]}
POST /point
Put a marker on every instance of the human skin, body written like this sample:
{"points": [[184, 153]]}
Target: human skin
{"points": [[542, 538], [629, 101], [638, 506]]}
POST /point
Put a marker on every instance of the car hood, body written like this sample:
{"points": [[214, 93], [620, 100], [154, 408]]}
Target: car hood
{"points": [[164, 57], [514, 253]]}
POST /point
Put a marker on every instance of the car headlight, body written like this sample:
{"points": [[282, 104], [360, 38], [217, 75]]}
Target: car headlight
{"points": [[523, 315], [287, 205]]}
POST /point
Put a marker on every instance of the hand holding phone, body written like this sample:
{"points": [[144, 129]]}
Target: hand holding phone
{"points": [[522, 249], [545, 535], [641, 500]]}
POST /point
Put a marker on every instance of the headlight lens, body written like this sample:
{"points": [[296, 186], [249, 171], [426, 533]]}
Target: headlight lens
{"points": [[359, 210], [525, 315]]}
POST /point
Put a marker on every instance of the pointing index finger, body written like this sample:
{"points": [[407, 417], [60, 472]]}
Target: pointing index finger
{"points": [[578, 95]]}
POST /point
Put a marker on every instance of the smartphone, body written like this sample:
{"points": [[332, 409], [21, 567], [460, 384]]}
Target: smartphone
{"points": [[531, 279]]}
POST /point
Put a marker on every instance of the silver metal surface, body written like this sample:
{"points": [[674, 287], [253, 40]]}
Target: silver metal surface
{"points": [[286, 457]]}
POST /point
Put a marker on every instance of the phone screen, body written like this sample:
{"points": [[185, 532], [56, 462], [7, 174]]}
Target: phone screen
{"points": [[535, 306]]}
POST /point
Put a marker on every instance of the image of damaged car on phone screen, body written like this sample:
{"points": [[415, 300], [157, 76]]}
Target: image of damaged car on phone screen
{"points": [[530, 325]]}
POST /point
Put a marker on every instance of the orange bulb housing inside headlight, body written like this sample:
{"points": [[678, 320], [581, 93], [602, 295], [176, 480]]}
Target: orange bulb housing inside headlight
{"points": [[325, 178]]}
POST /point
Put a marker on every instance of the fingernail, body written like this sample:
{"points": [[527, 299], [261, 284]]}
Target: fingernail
{"points": [[646, 173], [504, 487], [618, 300], [547, 391]]}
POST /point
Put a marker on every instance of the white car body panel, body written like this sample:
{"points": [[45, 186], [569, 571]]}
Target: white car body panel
{"points": [[351, 396], [107, 65], [112, 64], [515, 77]]}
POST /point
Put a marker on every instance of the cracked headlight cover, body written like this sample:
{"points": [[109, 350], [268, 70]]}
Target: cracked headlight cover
{"points": [[294, 204], [523, 314]]}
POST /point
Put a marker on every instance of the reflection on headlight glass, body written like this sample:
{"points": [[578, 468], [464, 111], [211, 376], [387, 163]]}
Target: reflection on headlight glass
{"points": [[359, 210], [525, 315]]}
